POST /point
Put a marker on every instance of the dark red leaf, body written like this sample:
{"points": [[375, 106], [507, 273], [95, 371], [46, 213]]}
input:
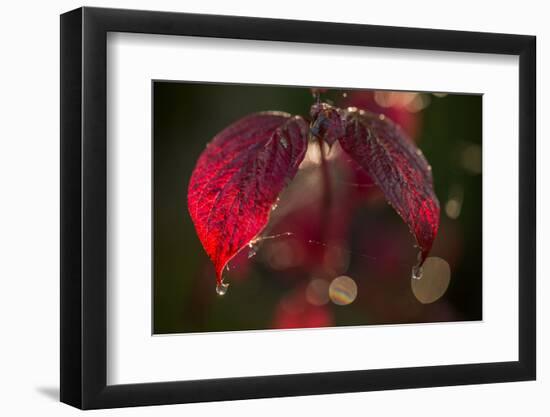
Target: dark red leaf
{"points": [[399, 169], [238, 179]]}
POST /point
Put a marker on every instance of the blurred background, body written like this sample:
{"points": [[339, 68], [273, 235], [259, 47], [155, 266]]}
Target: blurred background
{"points": [[345, 264]]}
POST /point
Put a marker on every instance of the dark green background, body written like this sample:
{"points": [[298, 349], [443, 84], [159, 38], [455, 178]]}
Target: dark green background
{"points": [[187, 115]]}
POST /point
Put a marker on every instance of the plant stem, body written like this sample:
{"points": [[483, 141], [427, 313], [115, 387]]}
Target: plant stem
{"points": [[327, 194]]}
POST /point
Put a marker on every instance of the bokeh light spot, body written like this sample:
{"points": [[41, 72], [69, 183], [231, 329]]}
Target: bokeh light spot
{"points": [[420, 102], [342, 290], [283, 254], [471, 159], [317, 292], [434, 282], [394, 98], [336, 257], [453, 208]]}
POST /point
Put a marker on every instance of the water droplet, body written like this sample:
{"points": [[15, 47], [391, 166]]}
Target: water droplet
{"points": [[253, 249], [381, 116], [435, 281], [274, 207], [284, 143], [221, 288], [417, 272]]}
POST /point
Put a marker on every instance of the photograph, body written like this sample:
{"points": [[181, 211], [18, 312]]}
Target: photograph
{"points": [[244, 208], [260, 207], [292, 207]]}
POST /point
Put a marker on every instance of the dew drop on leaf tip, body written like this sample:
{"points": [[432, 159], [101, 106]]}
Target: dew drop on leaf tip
{"points": [[252, 250], [221, 288], [418, 269], [417, 272]]}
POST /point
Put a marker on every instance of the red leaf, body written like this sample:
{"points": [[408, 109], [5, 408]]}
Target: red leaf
{"points": [[399, 169], [238, 179]]}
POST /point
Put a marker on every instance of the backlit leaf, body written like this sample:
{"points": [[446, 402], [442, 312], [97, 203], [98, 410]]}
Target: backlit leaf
{"points": [[399, 169], [238, 179]]}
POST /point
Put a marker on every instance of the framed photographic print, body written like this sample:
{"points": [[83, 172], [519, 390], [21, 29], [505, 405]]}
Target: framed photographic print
{"points": [[258, 208]]}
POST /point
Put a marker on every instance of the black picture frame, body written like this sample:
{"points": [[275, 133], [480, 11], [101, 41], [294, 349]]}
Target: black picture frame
{"points": [[84, 197]]}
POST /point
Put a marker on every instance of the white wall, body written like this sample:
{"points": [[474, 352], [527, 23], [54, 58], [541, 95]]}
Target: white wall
{"points": [[29, 237]]}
